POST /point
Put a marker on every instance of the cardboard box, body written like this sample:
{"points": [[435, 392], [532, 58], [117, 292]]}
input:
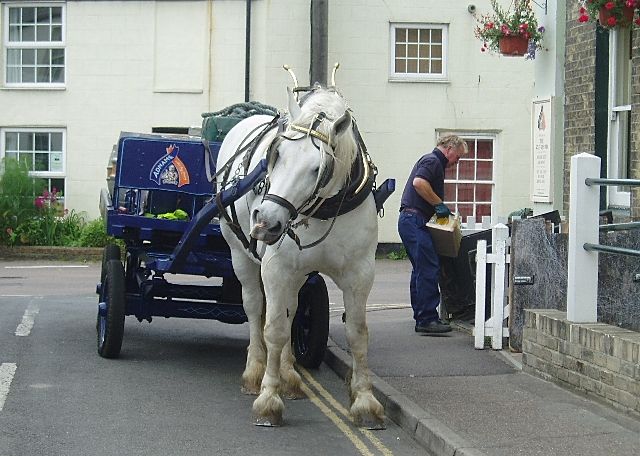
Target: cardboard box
{"points": [[446, 238]]}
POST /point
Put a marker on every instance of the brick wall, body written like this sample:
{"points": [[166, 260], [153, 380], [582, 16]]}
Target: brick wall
{"points": [[594, 358], [579, 125]]}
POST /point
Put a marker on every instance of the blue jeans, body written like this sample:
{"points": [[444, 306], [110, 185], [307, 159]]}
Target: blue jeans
{"points": [[425, 295]]}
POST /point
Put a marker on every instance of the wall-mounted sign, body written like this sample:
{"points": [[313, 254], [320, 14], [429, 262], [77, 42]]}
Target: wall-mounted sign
{"points": [[542, 128]]}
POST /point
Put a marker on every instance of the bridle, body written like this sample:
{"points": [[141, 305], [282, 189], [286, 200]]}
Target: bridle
{"points": [[314, 134]]}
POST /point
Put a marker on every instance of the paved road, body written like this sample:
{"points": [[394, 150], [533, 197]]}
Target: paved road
{"points": [[174, 391]]}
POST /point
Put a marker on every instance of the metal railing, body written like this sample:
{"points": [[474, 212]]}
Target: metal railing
{"points": [[584, 229]]}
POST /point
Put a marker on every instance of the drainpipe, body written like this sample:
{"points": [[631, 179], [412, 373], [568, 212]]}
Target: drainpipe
{"points": [[319, 41], [247, 51]]}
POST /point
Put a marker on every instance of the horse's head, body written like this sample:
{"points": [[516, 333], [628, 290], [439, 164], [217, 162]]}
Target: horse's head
{"points": [[311, 159]]}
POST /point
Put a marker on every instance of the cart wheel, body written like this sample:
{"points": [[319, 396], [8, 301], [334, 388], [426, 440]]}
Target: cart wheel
{"points": [[310, 329], [110, 252], [111, 309]]}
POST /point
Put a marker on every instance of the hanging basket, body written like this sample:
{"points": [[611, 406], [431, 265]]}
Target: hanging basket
{"points": [[514, 45], [605, 14]]}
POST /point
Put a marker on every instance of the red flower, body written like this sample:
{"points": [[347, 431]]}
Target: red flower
{"points": [[39, 202], [582, 10], [505, 30], [488, 25], [523, 27], [637, 21], [611, 22], [583, 18], [610, 5]]}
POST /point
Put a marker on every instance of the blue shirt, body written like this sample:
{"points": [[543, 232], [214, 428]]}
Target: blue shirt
{"points": [[429, 167]]}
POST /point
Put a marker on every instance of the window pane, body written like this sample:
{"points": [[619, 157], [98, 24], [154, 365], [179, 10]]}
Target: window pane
{"points": [[57, 74], [472, 149], [425, 51], [58, 184], [485, 170], [28, 33], [28, 15], [11, 156], [401, 50], [43, 56], [436, 66], [42, 74], [482, 210], [29, 74], [11, 141], [57, 56], [424, 35], [14, 15], [483, 193], [42, 33], [401, 66], [56, 142], [55, 162], [413, 36], [401, 35], [56, 15], [13, 57], [423, 66], [42, 141], [465, 210], [14, 33], [412, 66], [42, 162], [25, 141], [436, 36], [43, 15], [436, 51], [56, 33], [28, 56], [485, 149], [13, 74], [466, 170], [449, 192], [412, 50], [27, 160], [465, 192]]}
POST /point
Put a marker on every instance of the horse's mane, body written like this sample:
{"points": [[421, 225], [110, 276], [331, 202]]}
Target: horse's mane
{"points": [[345, 147]]}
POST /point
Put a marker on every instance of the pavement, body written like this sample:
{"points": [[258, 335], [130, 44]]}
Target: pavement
{"points": [[455, 400]]}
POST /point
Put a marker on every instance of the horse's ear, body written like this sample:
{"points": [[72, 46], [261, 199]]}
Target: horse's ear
{"points": [[294, 108], [340, 126]]}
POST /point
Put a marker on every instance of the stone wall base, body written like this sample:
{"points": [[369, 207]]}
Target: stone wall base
{"points": [[594, 358]]}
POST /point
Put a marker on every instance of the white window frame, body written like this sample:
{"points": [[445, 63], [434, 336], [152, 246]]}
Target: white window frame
{"points": [[619, 115], [467, 136], [40, 174], [7, 45], [417, 77]]}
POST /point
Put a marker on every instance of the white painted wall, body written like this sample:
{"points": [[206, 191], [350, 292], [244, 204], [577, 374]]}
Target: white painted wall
{"points": [[133, 65]]}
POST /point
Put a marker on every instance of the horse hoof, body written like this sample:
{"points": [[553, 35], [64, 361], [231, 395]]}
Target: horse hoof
{"points": [[267, 421], [294, 395]]}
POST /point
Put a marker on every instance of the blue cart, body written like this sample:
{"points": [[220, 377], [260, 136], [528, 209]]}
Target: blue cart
{"points": [[161, 204]]}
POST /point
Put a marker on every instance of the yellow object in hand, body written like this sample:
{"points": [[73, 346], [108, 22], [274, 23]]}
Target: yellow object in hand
{"points": [[442, 220]]}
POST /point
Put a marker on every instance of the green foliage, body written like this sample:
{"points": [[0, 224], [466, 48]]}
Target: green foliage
{"points": [[94, 234], [398, 254], [17, 193]]}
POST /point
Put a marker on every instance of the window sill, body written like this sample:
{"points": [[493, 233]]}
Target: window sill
{"points": [[418, 79], [38, 88]]}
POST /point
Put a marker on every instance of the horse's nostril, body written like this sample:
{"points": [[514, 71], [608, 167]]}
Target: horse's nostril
{"points": [[276, 228]]}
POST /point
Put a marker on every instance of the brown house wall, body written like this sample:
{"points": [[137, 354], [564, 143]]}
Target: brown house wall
{"points": [[579, 121]]}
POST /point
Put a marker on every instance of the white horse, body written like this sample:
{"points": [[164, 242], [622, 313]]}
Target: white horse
{"points": [[310, 160]]}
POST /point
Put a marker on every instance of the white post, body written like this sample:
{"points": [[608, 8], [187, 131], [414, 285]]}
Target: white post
{"points": [[481, 276], [499, 235], [584, 203]]}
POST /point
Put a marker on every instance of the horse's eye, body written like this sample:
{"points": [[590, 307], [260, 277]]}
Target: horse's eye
{"points": [[316, 170]]}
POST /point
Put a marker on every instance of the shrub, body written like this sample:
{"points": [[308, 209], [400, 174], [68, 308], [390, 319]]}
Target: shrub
{"points": [[94, 234], [17, 193]]}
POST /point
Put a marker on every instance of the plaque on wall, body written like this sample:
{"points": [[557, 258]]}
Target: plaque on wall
{"points": [[541, 134]]}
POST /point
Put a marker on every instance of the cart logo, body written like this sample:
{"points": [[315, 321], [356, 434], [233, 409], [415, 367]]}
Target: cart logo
{"points": [[169, 169]]}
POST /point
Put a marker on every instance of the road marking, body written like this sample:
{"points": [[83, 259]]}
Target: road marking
{"points": [[28, 320], [47, 266], [336, 405], [7, 371], [344, 427], [15, 296]]}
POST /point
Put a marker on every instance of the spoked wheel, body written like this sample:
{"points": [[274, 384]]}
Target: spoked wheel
{"points": [[111, 310], [310, 329]]}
